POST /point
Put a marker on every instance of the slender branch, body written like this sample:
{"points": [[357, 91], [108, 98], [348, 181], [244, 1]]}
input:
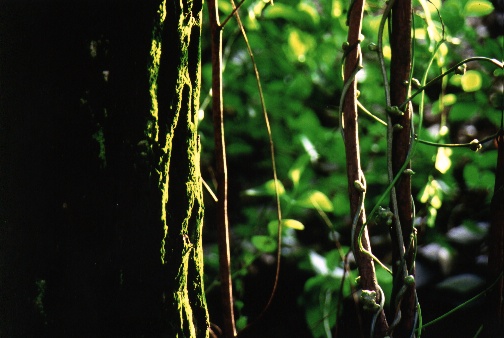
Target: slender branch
{"points": [[474, 145], [412, 149], [479, 295], [273, 163], [237, 7], [210, 191], [221, 174], [371, 115], [453, 69]]}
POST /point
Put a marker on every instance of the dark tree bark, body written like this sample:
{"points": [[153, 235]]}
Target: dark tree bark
{"points": [[101, 201]]}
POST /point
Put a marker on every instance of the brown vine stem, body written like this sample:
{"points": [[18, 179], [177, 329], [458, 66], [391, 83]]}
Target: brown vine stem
{"points": [[400, 44], [273, 163], [229, 326], [354, 173]]}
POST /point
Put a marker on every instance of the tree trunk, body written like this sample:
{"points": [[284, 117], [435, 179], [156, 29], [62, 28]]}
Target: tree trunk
{"points": [[101, 201], [179, 179]]}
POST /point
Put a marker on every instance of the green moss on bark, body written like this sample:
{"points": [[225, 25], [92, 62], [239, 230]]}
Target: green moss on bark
{"points": [[174, 80]]}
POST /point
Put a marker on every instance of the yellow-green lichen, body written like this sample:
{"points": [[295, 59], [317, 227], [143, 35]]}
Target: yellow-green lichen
{"points": [[99, 137]]}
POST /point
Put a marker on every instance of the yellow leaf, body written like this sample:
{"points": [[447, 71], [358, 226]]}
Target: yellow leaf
{"points": [[478, 8], [292, 223], [443, 162], [471, 81], [316, 200]]}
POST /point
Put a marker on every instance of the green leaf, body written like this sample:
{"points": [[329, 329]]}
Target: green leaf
{"points": [[478, 8], [462, 111], [385, 282], [241, 322], [471, 81], [289, 223], [431, 217], [342, 204], [449, 99], [281, 11], [300, 87], [264, 243], [451, 13], [310, 10], [315, 200], [267, 189], [301, 17], [477, 178], [273, 228], [297, 169], [333, 259], [432, 193]]}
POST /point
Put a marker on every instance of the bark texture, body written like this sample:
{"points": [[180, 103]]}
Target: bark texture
{"points": [[99, 144], [400, 43], [354, 171], [175, 90]]}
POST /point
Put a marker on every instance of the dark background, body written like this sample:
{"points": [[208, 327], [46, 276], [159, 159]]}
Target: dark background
{"points": [[68, 235]]}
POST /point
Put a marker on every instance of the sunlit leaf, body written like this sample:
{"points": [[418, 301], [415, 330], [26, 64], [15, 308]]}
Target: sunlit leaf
{"points": [[478, 8], [264, 243], [292, 223], [435, 4], [471, 81], [289, 223], [455, 80], [267, 189], [431, 217], [420, 34], [295, 175], [436, 201], [310, 10], [281, 11], [443, 161], [432, 193], [387, 52], [449, 99], [316, 200], [337, 9], [300, 43]]}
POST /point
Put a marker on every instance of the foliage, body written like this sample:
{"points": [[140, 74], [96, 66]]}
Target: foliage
{"points": [[297, 45]]}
